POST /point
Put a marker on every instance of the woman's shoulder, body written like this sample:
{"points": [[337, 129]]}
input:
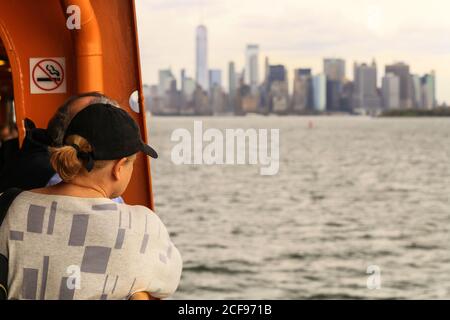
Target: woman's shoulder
{"points": [[135, 208], [144, 215], [139, 210]]}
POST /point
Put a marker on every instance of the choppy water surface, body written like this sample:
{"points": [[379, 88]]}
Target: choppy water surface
{"points": [[351, 192]]}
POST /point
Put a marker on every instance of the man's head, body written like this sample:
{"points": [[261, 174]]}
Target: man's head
{"points": [[8, 132], [5, 132], [58, 124]]}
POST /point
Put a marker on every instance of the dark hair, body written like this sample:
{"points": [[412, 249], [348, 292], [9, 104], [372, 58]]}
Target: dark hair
{"points": [[58, 124]]}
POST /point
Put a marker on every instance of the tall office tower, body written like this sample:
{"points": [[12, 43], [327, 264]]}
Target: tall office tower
{"points": [[429, 90], [252, 67], [390, 90], [365, 87], [165, 80], [240, 78], [217, 96], [182, 78], [278, 89], [201, 74], [334, 91], [334, 70], [266, 69], [302, 96], [401, 70], [189, 88], [319, 83], [417, 100], [215, 78], [232, 86], [347, 96]]}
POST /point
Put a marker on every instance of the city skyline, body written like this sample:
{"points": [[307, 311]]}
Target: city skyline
{"points": [[297, 35], [328, 91]]}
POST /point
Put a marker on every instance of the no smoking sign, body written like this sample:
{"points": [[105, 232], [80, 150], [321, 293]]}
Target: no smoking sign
{"points": [[47, 75]]}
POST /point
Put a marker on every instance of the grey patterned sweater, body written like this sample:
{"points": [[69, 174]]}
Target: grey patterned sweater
{"points": [[62, 247]]}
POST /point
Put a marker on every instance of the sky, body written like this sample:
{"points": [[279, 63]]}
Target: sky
{"points": [[297, 34]]}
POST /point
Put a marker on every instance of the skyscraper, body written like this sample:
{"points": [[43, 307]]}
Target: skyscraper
{"points": [[278, 89], [182, 78], [417, 100], [303, 94], [365, 87], [347, 96], [217, 95], [232, 86], [391, 91], [319, 83], [252, 67], [201, 74], [165, 81], [334, 70], [429, 90], [189, 88], [215, 78], [401, 70]]}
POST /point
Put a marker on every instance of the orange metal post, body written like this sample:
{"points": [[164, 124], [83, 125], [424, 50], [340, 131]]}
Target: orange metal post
{"points": [[88, 48]]}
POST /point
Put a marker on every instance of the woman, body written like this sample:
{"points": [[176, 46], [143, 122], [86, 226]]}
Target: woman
{"points": [[71, 241]]}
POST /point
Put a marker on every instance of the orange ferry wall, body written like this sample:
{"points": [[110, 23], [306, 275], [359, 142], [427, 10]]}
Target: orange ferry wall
{"points": [[30, 28]]}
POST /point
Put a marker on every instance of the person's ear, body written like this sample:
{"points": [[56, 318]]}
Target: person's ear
{"points": [[118, 168]]}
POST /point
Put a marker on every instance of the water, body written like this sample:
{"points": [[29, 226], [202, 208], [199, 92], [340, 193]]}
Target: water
{"points": [[351, 193]]}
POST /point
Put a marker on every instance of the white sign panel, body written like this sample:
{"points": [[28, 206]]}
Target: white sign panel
{"points": [[47, 75]]}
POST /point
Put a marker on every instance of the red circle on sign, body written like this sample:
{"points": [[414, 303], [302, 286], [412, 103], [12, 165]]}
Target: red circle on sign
{"points": [[57, 85]]}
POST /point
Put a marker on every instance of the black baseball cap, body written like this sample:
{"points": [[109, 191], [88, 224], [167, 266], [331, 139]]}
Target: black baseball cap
{"points": [[111, 131]]}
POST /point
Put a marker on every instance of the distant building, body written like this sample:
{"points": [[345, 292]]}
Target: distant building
{"points": [[173, 103], [401, 70], [278, 89], [417, 100], [365, 93], [347, 97], [189, 86], [429, 90], [334, 70], [215, 78], [390, 90], [249, 103], [152, 98], [334, 90], [266, 69], [232, 86], [201, 102], [182, 77], [165, 81], [319, 83], [252, 67], [217, 95], [202, 58], [302, 97], [243, 94], [218, 100]]}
